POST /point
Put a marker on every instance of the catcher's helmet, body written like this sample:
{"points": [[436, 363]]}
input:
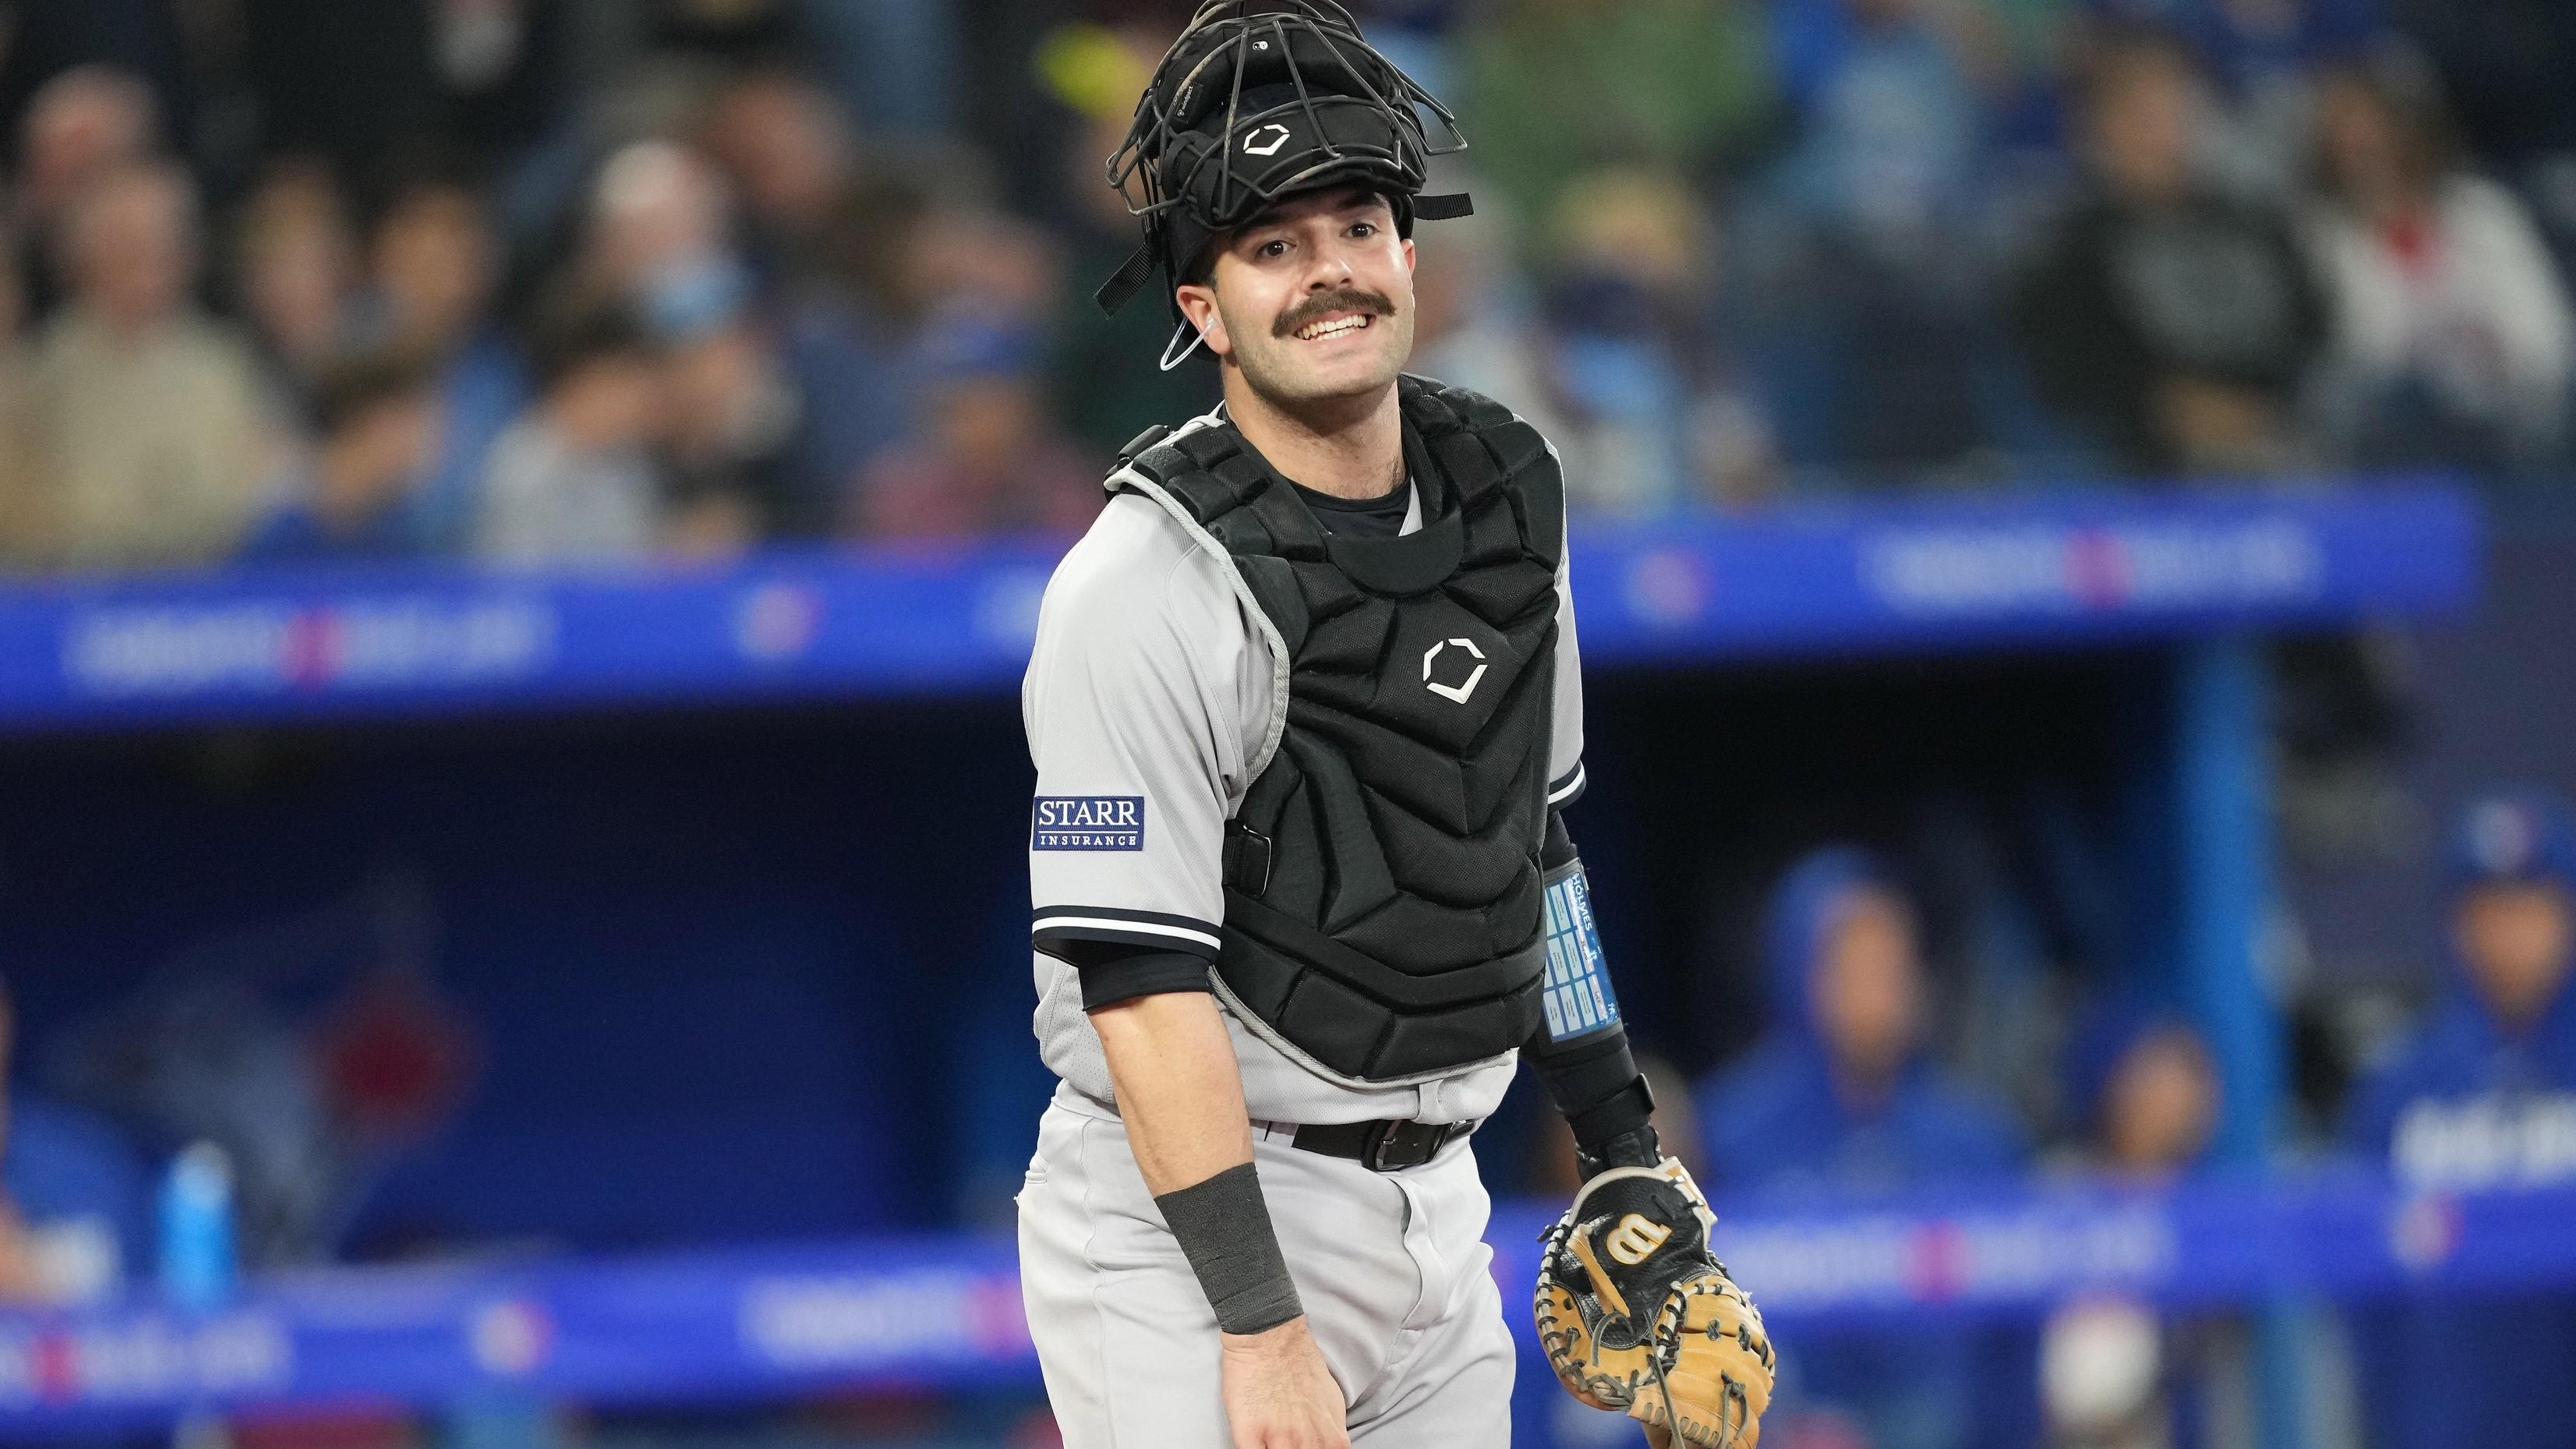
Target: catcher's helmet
{"points": [[1258, 100]]}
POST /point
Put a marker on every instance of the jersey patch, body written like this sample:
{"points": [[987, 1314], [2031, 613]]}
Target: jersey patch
{"points": [[1088, 822], [1577, 997]]}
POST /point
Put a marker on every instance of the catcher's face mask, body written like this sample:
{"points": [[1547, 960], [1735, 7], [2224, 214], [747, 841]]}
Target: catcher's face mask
{"points": [[1257, 101]]}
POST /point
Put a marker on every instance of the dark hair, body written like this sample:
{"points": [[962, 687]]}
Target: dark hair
{"points": [[577, 331], [2402, 82], [351, 385], [2115, 51], [416, 172]]}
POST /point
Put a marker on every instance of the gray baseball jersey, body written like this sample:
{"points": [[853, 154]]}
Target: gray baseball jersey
{"points": [[1148, 697]]}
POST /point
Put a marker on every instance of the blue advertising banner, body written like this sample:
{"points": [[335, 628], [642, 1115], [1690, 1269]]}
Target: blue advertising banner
{"points": [[1889, 577], [774, 1322]]}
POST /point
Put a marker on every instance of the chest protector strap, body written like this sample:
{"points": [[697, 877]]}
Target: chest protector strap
{"points": [[1383, 895]]}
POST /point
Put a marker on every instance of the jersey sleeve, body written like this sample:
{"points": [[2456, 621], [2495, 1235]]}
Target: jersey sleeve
{"points": [[1130, 736], [1565, 749]]}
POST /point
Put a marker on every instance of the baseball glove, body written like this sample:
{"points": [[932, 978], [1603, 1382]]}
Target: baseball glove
{"points": [[1637, 1317]]}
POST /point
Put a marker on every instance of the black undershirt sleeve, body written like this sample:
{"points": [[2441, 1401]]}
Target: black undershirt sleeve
{"points": [[1114, 971]]}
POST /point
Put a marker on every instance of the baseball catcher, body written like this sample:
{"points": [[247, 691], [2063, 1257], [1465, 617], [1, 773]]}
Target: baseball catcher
{"points": [[1307, 712]]}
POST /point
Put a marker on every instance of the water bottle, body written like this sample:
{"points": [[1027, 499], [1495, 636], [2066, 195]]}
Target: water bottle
{"points": [[197, 1229]]}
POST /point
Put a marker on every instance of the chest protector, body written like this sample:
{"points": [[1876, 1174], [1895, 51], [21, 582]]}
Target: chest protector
{"points": [[1382, 903]]}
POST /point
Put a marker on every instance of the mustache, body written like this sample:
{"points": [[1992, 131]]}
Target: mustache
{"points": [[1347, 299]]}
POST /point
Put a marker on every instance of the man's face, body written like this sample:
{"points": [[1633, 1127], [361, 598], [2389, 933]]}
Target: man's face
{"points": [[1867, 988], [2161, 1103], [434, 259], [2515, 940], [134, 249], [1313, 301], [2146, 127]]}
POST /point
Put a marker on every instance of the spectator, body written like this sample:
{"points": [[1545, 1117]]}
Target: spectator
{"points": [[659, 212], [841, 338], [1888, 117], [1557, 88], [153, 437], [2484, 1096], [1865, 232], [790, 157], [1623, 332], [1839, 1092], [2113, 1374], [986, 458], [433, 265], [295, 266], [2264, 56], [376, 418], [574, 477], [74, 1197], [2452, 337], [731, 413], [2173, 321], [1839, 1095], [2144, 1091], [79, 125], [1476, 325]]}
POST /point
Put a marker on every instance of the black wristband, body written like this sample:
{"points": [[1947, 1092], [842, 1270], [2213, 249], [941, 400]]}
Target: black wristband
{"points": [[1627, 1110], [1223, 1225], [1637, 1147]]}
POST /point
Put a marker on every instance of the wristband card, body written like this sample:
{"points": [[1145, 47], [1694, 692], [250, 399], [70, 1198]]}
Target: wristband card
{"points": [[1577, 995]]}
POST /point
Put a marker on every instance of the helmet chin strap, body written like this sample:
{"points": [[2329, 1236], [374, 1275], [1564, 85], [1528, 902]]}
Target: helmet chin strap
{"points": [[1197, 338]]}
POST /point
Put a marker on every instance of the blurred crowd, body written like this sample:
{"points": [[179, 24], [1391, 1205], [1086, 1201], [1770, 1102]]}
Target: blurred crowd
{"points": [[549, 279]]}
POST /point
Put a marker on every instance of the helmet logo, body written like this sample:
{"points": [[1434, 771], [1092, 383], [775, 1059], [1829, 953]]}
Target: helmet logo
{"points": [[1265, 140], [1455, 693]]}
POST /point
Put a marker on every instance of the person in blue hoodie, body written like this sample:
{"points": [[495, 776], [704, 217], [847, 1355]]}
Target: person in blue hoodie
{"points": [[1840, 1097], [2484, 1095]]}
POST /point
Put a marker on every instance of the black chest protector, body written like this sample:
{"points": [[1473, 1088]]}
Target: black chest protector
{"points": [[1382, 909]]}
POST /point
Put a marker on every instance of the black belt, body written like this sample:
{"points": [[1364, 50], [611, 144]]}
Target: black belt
{"points": [[1383, 1146]]}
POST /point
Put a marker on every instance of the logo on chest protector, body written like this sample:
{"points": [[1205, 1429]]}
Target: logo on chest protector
{"points": [[1636, 1239], [1455, 692]]}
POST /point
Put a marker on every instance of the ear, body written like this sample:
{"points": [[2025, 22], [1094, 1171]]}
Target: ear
{"points": [[1198, 304], [1408, 255]]}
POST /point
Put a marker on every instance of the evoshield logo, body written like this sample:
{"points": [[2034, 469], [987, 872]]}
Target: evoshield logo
{"points": [[1455, 692], [1088, 822], [1265, 140]]}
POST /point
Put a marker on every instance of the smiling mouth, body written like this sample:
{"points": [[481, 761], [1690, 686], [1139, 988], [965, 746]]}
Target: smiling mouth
{"points": [[1334, 326]]}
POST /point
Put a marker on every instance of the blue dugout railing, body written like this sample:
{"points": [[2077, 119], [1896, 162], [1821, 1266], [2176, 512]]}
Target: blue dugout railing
{"points": [[753, 1324]]}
